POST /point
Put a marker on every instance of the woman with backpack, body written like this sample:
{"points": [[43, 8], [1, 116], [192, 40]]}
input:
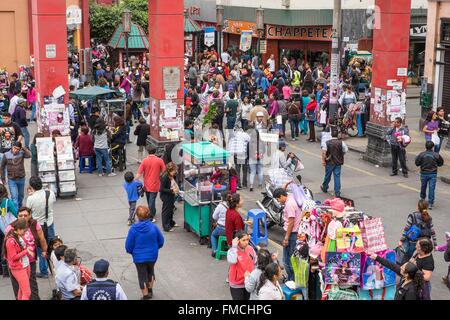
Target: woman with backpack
{"points": [[412, 279], [419, 224], [242, 258]]}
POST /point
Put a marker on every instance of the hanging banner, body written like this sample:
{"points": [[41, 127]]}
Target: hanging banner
{"points": [[209, 36], [246, 40]]}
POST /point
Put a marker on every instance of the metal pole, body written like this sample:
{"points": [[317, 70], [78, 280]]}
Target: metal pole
{"points": [[335, 60], [126, 49], [219, 42]]}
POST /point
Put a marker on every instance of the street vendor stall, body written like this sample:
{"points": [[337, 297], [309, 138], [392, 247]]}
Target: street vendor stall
{"points": [[205, 177]]}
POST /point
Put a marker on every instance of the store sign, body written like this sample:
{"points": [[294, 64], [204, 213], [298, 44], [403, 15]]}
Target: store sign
{"points": [[171, 78], [73, 15], [236, 27], [209, 36], [263, 46], [202, 10], [318, 33], [418, 31]]}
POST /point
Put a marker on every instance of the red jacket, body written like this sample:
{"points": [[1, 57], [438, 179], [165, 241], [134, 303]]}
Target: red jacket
{"points": [[312, 105], [233, 184], [14, 253], [246, 260], [233, 222], [85, 145]]}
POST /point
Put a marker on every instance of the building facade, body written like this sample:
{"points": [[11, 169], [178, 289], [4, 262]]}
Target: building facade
{"points": [[17, 34], [437, 59]]}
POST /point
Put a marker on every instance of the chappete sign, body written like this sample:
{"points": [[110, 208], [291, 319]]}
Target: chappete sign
{"points": [[318, 33]]}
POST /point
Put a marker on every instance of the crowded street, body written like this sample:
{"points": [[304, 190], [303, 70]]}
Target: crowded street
{"points": [[218, 150]]}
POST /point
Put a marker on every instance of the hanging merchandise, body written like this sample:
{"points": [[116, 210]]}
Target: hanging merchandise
{"points": [[342, 268], [246, 40], [376, 276], [373, 235], [349, 240]]}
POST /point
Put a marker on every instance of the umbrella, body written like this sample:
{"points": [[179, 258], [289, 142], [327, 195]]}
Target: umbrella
{"points": [[89, 93]]}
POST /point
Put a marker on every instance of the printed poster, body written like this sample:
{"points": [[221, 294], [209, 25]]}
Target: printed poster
{"points": [[246, 40], [375, 275], [209, 36], [64, 149], [343, 268], [55, 116], [46, 158]]}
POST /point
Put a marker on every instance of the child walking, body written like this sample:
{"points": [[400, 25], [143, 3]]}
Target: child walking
{"points": [[132, 187]]}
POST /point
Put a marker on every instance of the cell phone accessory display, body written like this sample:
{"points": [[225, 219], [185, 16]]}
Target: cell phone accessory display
{"points": [[65, 167]]}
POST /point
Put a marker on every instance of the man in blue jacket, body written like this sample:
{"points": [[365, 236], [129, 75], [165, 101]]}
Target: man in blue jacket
{"points": [[143, 242]]}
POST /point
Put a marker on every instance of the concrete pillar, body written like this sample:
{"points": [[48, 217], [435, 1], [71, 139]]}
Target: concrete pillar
{"points": [[390, 53], [166, 39], [49, 46]]}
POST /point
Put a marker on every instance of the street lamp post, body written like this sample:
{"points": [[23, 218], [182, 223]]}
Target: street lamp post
{"points": [[126, 24], [260, 30], [335, 61], [219, 18]]}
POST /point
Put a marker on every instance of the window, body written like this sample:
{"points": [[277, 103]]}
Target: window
{"points": [[445, 30]]}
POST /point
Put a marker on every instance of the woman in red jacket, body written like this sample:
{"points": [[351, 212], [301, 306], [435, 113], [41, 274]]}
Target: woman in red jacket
{"points": [[233, 220], [311, 112], [242, 259], [16, 252]]}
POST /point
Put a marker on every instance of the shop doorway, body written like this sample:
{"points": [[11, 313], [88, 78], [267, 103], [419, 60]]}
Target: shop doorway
{"points": [[296, 57]]}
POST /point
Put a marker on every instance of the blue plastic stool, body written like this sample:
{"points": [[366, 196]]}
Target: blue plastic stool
{"points": [[359, 124], [83, 167], [289, 294], [257, 236]]}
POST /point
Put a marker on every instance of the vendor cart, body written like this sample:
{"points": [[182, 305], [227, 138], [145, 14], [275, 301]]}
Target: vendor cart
{"points": [[201, 160]]}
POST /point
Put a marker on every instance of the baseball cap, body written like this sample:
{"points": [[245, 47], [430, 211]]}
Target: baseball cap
{"points": [[101, 266]]}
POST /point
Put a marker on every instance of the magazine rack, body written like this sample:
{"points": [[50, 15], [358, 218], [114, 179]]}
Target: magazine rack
{"points": [[46, 163], [65, 167]]}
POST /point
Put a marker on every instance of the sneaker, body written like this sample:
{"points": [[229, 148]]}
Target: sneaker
{"points": [[405, 175], [154, 220], [430, 207], [176, 225], [112, 174], [213, 254], [100, 174], [147, 297], [393, 174], [323, 189], [42, 276]]}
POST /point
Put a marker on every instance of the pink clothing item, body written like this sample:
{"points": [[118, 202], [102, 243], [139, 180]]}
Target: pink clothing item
{"points": [[14, 254], [338, 205], [286, 92], [22, 277], [29, 240], [126, 85], [333, 226], [31, 96], [312, 105], [291, 210], [233, 184]]}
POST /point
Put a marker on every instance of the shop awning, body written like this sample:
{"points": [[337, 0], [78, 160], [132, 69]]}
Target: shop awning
{"points": [[190, 26], [89, 93], [137, 39]]}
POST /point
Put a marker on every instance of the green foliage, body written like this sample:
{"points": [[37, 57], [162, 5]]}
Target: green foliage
{"points": [[211, 115], [104, 19]]}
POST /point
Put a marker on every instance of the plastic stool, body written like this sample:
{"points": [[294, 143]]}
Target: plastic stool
{"points": [[83, 167], [359, 124], [222, 247], [257, 236], [289, 294]]}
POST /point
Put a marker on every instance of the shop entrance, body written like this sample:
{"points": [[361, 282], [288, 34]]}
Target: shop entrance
{"points": [[305, 51]]}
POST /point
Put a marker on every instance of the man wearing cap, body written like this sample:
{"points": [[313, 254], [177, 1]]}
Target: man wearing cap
{"points": [[103, 288]]}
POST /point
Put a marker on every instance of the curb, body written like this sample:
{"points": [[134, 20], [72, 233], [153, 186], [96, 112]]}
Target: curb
{"points": [[356, 149]]}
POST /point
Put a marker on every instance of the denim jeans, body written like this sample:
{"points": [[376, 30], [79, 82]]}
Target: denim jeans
{"points": [[287, 253], [17, 188], [336, 171], [430, 180], [293, 122], [43, 265], [437, 147], [102, 154], [131, 210], [254, 167], [33, 111], [218, 231], [26, 136], [151, 200]]}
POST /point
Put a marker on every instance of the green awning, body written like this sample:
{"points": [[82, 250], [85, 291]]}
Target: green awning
{"points": [[205, 151], [190, 26], [137, 39], [89, 93]]}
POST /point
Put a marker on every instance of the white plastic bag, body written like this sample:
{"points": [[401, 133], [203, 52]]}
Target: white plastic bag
{"points": [[435, 138]]}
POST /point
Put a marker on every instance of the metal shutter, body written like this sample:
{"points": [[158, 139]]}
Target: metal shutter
{"points": [[446, 84]]}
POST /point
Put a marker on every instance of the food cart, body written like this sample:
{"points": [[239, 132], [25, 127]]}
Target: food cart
{"points": [[201, 161]]}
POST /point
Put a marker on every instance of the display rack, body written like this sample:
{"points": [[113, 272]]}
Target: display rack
{"points": [[65, 167], [46, 163]]}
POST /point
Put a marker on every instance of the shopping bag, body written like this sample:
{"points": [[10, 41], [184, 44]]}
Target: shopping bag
{"points": [[373, 235], [349, 240], [323, 117], [301, 271], [374, 275], [387, 293], [342, 268], [342, 294], [435, 138]]}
